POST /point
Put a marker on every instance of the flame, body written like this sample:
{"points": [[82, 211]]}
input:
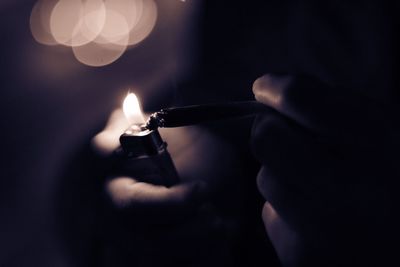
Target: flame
{"points": [[133, 111]]}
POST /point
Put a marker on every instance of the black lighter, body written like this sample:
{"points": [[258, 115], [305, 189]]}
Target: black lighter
{"points": [[144, 156]]}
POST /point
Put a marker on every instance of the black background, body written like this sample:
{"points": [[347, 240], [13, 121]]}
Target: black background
{"points": [[51, 105]]}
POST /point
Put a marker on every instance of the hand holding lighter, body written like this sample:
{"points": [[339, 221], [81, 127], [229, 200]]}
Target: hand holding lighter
{"points": [[145, 156]]}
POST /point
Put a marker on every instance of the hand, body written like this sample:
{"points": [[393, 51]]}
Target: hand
{"points": [[328, 174], [202, 161], [150, 225]]}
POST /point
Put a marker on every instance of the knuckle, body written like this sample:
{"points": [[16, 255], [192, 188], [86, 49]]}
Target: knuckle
{"points": [[260, 83], [266, 133], [269, 89], [118, 193]]}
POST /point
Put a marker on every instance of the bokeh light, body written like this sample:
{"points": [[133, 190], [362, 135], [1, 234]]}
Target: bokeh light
{"points": [[40, 22], [115, 29], [131, 10], [91, 23], [65, 18], [145, 23], [97, 54], [99, 31]]}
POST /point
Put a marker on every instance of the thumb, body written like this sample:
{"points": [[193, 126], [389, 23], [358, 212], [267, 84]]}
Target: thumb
{"points": [[128, 194]]}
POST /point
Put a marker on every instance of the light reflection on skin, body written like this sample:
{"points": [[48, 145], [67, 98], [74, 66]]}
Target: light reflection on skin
{"points": [[276, 89], [283, 238], [108, 140]]}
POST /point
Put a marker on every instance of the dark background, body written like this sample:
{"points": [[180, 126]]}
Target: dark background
{"points": [[51, 105]]}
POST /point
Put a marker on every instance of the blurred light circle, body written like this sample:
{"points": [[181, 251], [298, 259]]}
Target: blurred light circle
{"points": [[140, 15], [130, 9], [91, 23], [97, 55], [145, 24], [99, 31], [100, 53], [40, 22], [115, 29], [65, 19]]}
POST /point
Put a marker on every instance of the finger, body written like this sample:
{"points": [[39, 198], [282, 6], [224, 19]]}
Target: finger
{"points": [[280, 142], [131, 195], [337, 112], [301, 175], [285, 240], [269, 89], [296, 177]]}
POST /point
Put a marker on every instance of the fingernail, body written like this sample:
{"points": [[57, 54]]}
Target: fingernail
{"points": [[269, 88]]}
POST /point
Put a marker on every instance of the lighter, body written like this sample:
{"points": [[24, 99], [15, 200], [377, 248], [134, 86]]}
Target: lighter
{"points": [[143, 153], [146, 157]]}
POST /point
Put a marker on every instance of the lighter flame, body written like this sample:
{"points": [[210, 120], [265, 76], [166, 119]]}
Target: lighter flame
{"points": [[133, 111]]}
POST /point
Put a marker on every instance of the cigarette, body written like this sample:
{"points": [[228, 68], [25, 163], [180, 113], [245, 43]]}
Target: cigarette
{"points": [[189, 115]]}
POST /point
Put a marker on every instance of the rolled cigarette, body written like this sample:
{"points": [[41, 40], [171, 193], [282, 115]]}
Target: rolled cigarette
{"points": [[189, 115]]}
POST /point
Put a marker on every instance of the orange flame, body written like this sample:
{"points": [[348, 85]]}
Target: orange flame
{"points": [[133, 111]]}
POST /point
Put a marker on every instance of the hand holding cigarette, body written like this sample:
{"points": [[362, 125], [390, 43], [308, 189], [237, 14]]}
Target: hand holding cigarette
{"points": [[328, 156]]}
